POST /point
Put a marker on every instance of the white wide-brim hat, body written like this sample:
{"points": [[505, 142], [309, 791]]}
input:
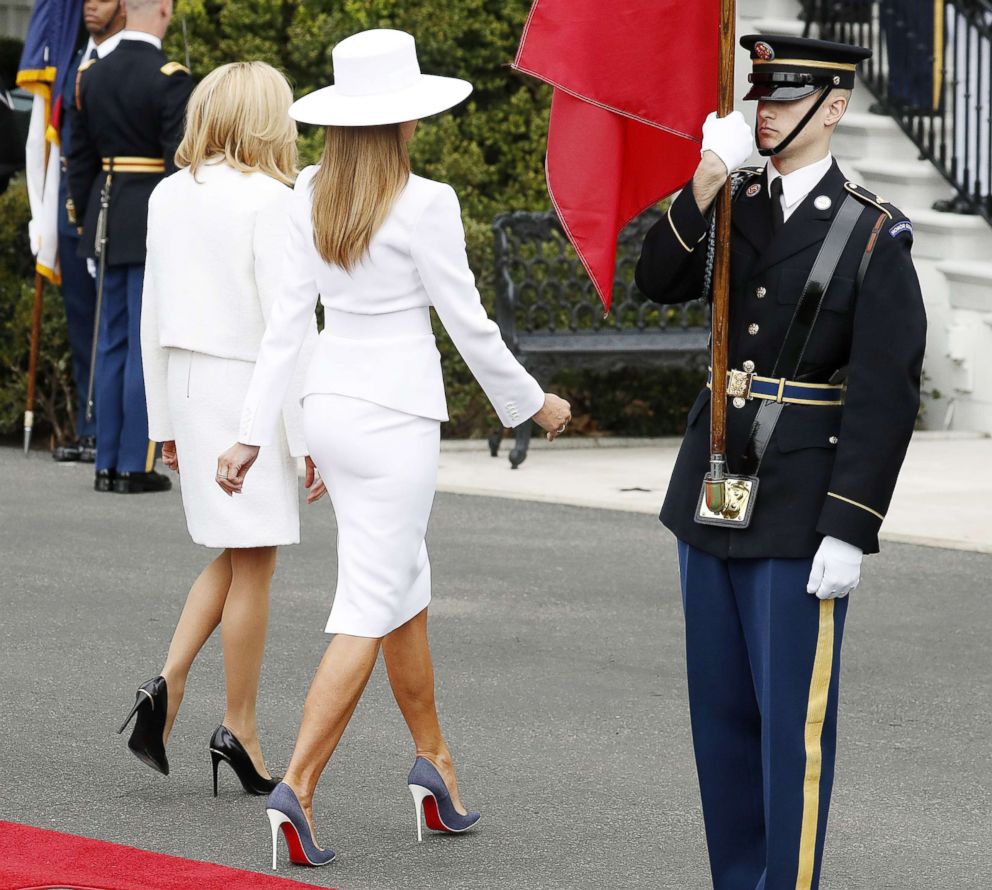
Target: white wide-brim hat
{"points": [[377, 81]]}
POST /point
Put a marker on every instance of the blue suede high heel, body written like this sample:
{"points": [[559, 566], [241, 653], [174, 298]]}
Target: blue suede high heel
{"points": [[284, 811], [433, 802]]}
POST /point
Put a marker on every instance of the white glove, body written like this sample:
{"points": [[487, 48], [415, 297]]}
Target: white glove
{"points": [[729, 138], [91, 267], [836, 569]]}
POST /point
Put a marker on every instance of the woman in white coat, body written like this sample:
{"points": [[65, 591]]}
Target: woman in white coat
{"points": [[380, 246], [215, 245]]}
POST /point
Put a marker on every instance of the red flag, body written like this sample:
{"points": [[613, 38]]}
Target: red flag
{"points": [[634, 80]]}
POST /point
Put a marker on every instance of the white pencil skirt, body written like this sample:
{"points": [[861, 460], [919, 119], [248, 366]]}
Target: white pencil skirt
{"points": [[205, 396], [380, 469]]}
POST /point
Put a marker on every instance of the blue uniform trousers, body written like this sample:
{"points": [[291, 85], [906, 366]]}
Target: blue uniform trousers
{"points": [[763, 658], [79, 299], [121, 415]]}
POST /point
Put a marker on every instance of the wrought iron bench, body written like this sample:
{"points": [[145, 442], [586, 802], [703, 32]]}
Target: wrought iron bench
{"points": [[551, 317]]}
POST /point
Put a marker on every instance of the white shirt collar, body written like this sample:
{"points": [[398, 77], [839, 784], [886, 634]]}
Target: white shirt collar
{"points": [[799, 183], [105, 48], [128, 34]]}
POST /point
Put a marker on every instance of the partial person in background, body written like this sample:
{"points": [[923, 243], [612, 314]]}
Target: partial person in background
{"points": [[216, 233], [127, 123], [914, 42], [379, 246], [104, 22]]}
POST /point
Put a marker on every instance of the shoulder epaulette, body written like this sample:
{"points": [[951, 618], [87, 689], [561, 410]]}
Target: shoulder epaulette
{"points": [[870, 198], [170, 68]]}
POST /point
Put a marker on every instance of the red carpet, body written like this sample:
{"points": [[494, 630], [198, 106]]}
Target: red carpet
{"points": [[35, 858]]}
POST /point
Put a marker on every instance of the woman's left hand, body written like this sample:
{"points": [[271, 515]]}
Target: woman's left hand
{"points": [[233, 465], [169, 456], [315, 491]]}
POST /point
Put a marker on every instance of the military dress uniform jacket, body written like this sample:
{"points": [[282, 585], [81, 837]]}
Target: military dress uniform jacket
{"points": [[827, 470], [129, 104]]}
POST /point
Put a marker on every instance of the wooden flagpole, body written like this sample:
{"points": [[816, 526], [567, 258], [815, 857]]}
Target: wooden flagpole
{"points": [[39, 285], [721, 275]]}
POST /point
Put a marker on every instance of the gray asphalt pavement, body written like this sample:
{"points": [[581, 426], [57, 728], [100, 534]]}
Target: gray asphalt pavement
{"points": [[558, 641]]}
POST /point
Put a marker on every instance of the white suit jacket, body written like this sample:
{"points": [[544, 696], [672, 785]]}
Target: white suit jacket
{"points": [[213, 272], [386, 352]]}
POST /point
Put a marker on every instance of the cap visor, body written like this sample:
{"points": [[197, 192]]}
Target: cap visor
{"points": [[768, 92], [430, 95]]}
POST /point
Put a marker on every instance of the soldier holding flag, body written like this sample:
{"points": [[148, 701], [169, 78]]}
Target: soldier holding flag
{"points": [[127, 124], [826, 337]]}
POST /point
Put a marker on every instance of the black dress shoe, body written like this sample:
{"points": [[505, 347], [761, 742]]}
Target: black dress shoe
{"points": [[224, 745], [65, 453], [87, 450], [135, 483], [151, 703], [104, 480]]}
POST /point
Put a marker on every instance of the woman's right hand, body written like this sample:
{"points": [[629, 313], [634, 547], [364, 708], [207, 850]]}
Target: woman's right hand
{"points": [[554, 416], [233, 465]]}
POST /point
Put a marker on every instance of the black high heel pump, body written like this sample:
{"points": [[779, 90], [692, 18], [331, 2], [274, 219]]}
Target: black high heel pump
{"points": [[150, 704], [224, 745]]}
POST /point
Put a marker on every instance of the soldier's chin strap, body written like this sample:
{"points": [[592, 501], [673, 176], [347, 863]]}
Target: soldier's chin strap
{"points": [[785, 143]]}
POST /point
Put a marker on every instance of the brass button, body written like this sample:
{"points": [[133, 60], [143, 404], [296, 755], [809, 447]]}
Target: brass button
{"points": [[752, 329], [761, 292], [739, 402], [748, 367], [833, 440]]}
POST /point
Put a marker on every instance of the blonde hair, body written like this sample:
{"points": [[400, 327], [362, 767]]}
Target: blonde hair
{"points": [[240, 111], [361, 173]]}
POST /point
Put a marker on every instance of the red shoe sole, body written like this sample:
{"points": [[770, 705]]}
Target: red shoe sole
{"points": [[296, 854], [433, 818]]}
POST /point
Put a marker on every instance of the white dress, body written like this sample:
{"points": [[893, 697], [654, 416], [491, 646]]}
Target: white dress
{"points": [[215, 253], [373, 396]]}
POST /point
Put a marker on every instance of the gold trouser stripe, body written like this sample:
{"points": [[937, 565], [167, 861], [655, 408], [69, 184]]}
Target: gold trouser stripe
{"points": [[150, 459], [671, 222], [819, 691], [938, 51], [807, 63], [856, 504]]}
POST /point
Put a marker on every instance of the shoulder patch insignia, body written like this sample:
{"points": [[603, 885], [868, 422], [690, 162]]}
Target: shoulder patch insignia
{"points": [[900, 227], [170, 68], [869, 198]]}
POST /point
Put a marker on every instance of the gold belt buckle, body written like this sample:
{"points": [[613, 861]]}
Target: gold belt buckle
{"points": [[739, 382]]}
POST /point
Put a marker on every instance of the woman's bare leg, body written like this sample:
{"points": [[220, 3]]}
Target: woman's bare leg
{"points": [[411, 675], [200, 616], [243, 628], [334, 693]]}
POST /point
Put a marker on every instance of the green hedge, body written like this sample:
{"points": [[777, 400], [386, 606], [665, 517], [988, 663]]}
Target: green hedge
{"points": [[491, 150]]}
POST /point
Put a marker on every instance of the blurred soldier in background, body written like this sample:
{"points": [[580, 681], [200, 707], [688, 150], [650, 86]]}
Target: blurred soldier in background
{"points": [[104, 22], [126, 126]]}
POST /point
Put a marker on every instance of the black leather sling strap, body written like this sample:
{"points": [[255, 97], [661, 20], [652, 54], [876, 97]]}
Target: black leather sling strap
{"points": [[801, 327]]}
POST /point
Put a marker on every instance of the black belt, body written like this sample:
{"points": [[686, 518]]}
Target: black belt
{"points": [[801, 327]]}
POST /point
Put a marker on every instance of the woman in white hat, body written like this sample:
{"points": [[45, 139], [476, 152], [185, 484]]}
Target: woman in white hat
{"points": [[379, 245]]}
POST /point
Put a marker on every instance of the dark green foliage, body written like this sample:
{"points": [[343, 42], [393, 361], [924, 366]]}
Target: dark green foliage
{"points": [[54, 404]]}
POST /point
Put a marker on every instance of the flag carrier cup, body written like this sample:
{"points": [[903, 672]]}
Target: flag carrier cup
{"points": [[728, 499]]}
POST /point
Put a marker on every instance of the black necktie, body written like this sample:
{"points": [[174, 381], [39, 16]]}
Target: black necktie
{"points": [[778, 213], [94, 54]]}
